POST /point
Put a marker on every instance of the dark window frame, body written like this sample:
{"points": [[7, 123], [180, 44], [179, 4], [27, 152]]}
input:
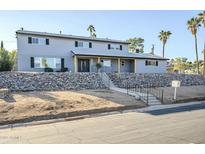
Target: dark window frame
{"points": [[47, 41], [90, 44], [109, 46], [120, 47], [29, 40], [32, 62], [76, 43]]}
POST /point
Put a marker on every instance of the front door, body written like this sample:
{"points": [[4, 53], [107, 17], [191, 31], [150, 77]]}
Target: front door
{"points": [[83, 65]]}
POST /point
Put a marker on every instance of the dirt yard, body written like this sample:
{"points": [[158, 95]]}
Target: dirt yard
{"points": [[27, 104], [184, 94]]}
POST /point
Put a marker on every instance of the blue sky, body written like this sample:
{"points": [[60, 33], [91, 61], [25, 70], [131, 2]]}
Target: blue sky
{"points": [[112, 24]]}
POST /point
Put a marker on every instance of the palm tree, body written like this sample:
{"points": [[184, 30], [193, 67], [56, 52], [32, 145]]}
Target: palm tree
{"points": [[164, 36], [193, 25], [202, 19], [91, 29]]}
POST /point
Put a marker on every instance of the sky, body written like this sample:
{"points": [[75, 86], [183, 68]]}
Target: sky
{"points": [[119, 25]]}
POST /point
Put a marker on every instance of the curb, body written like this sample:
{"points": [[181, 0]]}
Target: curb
{"points": [[68, 116]]}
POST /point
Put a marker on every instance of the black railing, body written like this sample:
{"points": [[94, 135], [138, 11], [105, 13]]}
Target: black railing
{"points": [[146, 91]]}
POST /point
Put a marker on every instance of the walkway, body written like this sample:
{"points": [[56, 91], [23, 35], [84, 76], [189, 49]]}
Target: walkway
{"points": [[108, 83]]}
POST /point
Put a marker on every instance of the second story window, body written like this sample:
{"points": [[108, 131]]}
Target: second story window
{"points": [[82, 44], [114, 47], [40, 41]]}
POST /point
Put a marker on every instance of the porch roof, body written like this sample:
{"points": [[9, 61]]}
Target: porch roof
{"points": [[119, 54]]}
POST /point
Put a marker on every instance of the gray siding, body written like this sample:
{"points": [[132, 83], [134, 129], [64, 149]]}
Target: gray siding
{"points": [[58, 48]]}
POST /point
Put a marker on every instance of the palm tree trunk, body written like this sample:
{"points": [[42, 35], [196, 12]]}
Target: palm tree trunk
{"points": [[197, 60], [163, 50], [204, 58]]}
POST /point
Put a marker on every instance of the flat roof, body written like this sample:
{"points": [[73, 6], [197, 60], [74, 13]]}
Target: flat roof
{"points": [[70, 36], [121, 54]]}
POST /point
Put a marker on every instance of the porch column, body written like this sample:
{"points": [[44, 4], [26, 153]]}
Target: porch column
{"points": [[118, 65], [135, 63], [75, 64], [98, 60]]}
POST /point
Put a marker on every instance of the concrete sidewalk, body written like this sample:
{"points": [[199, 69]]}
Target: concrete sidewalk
{"points": [[159, 107]]}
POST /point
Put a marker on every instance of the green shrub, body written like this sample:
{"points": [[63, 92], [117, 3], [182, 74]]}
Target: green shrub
{"points": [[48, 69], [65, 69]]}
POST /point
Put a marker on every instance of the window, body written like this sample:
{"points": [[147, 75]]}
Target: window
{"points": [[40, 41], [44, 62], [37, 62], [34, 40], [83, 44], [151, 63], [80, 44], [114, 47], [106, 63]]}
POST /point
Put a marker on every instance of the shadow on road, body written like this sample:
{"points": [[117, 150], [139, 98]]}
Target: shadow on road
{"points": [[177, 109]]}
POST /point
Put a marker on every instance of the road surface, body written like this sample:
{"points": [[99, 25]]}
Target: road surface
{"points": [[177, 125]]}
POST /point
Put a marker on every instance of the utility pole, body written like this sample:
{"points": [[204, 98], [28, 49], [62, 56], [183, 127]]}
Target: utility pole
{"points": [[152, 49]]}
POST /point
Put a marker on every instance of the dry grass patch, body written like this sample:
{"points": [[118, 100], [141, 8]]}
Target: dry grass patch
{"points": [[27, 104]]}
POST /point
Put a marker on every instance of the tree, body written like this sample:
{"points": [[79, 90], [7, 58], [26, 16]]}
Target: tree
{"points": [[193, 25], [92, 31], [136, 44], [2, 44], [5, 63], [202, 19], [12, 56], [98, 66], [164, 36], [180, 64]]}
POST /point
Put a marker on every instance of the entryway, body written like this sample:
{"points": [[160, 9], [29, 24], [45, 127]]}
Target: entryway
{"points": [[83, 65]]}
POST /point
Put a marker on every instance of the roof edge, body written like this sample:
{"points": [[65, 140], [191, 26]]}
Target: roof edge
{"points": [[69, 36]]}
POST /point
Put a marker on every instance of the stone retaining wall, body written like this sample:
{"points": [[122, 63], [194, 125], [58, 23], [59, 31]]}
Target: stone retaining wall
{"points": [[17, 81], [163, 80]]}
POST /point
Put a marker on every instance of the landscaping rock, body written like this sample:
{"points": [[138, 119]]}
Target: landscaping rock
{"points": [[162, 80], [19, 81]]}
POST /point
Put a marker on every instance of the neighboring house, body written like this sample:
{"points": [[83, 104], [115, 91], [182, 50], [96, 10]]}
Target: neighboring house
{"points": [[37, 50]]}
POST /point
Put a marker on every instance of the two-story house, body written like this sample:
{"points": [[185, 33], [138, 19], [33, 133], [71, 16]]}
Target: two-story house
{"points": [[37, 50]]}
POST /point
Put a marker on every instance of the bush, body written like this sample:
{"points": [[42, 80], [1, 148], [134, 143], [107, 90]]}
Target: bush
{"points": [[64, 69], [7, 60], [48, 69]]}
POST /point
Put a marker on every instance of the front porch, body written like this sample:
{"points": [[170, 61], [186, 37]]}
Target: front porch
{"points": [[109, 64]]}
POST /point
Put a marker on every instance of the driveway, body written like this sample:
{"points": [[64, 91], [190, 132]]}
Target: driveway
{"points": [[181, 124]]}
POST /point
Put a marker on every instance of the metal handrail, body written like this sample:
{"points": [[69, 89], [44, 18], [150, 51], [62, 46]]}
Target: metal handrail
{"points": [[146, 90]]}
